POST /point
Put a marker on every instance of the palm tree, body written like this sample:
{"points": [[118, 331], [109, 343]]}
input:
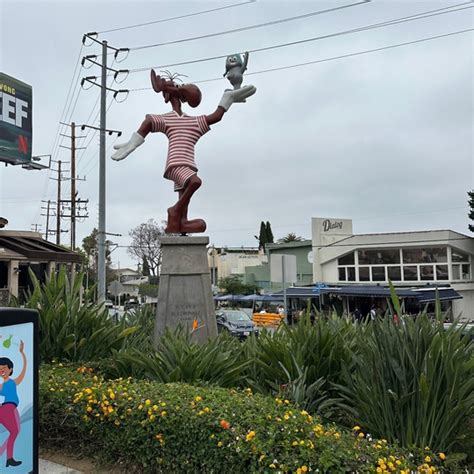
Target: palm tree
{"points": [[291, 237]]}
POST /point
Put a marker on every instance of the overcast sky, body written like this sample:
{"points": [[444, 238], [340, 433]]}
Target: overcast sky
{"points": [[384, 138]]}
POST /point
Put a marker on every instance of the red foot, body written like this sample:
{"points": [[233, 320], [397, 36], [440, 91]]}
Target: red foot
{"points": [[194, 226]]}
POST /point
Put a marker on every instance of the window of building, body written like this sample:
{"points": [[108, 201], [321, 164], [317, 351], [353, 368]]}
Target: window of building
{"points": [[364, 273], [458, 256], [351, 273], [394, 273], [426, 255], [347, 273], [461, 271], [426, 272], [378, 257], [342, 274], [347, 259], [442, 272], [378, 274], [410, 273]]}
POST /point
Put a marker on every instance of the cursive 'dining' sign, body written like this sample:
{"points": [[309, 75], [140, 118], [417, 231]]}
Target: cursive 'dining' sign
{"points": [[328, 225]]}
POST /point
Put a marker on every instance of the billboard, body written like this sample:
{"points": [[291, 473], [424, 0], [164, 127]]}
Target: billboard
{"points": [[16, 112]]}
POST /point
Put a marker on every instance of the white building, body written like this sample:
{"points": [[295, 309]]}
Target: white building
{"points": [[230, 261], [437, 258]]}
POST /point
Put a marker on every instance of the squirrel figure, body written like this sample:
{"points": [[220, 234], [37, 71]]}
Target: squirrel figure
{"points": [[235, 68]]}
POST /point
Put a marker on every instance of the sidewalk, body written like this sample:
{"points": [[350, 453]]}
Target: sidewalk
{"points": [[48, 467]]}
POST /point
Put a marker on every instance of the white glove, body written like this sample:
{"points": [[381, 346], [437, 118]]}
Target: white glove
{"points": [[124, 149], [236, 95]]}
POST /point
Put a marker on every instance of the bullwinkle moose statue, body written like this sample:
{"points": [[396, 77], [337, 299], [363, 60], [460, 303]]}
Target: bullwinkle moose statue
{"points": [[183, 132]]}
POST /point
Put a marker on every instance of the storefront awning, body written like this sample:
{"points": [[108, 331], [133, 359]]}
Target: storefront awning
{"points": [[444, 294], [423, 295]]}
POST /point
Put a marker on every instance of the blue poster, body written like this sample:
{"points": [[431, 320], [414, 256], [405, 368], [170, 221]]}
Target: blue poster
{"points": [[16, 398]]}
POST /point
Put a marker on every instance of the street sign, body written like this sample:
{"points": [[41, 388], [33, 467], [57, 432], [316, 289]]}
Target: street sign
{"points": [[19, 391], [16, 112]]}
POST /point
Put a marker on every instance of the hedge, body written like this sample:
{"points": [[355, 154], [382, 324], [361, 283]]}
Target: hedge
{"points": [[149, 427]]}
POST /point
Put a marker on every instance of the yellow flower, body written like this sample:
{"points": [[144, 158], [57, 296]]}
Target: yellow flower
{"points": [[294, 443], [356, 428], [272, 466], [147, 402], [89, 409], [442, 456], [337, 435], [304, 468], [163, 404], [219, 444], [286, 416], [110, 409], [286, 402], [207, 409], [155, 407], [198, 398], [427, 459], [140, 407], [152, 417], [378, 469], [361, 435], [298, 471], [163, 413], [250, 436]]}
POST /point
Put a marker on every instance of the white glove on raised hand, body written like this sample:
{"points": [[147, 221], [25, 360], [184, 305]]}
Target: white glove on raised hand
{"points": [[236, 95], [124, 149]]}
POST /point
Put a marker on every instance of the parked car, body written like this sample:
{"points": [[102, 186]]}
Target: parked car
{"points": [[235, 322]]}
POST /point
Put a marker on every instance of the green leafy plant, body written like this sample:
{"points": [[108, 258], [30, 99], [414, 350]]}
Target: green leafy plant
{"points": [[72, 327], [412, 382]]}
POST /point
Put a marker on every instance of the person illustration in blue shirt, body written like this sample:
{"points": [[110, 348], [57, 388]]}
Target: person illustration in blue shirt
{"points": [[9, 416]]}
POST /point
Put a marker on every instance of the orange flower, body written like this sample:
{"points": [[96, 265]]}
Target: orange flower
{"points": [[225, 424], [195, 324]]}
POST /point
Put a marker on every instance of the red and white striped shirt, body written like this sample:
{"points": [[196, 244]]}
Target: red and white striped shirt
{"points": [[183, 132]]}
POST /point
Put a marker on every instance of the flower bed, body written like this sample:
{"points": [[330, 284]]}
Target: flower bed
{"points": [[152, 427]]}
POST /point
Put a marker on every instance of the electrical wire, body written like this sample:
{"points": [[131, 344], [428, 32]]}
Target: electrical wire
{"points": [[251, 27], [343, 56], [396, 21], [201, 12]]}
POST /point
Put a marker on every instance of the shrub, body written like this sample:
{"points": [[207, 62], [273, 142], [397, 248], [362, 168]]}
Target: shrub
{"points": [[72, 328], [412, 383], [303, 362], [149, 427], [178, 359]]}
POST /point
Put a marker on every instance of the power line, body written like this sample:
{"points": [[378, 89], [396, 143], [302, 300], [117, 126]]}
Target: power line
{"points": [[251, 27], [201, 12], [343, 56], [395, 21]]}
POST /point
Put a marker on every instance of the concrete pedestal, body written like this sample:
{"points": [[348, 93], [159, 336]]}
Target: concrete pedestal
{"points": [[185, 293]]}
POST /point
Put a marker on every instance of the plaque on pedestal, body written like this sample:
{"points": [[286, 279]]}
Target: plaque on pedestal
{"points": [[185, 294]]}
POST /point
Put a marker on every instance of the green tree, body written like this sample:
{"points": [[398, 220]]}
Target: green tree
{"points": [[291, 237], [269, 233], [265, 235], [91, 250], [234, 285], [471, 209]]}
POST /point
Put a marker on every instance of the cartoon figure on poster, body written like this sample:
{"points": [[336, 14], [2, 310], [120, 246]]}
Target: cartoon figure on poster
{"points": [[183, 132], [9, 416]]}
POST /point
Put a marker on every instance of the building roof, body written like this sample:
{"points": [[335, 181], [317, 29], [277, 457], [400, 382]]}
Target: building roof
{"points": [[293, 244], [31, 246]]}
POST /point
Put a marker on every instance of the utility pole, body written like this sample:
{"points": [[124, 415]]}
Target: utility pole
{"points": [[101, 235], [74, 178], [101, 265], [34, 227], [47, 220], [58, 207]]}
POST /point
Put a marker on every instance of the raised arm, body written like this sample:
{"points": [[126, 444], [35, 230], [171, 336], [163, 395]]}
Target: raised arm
{"points": [[216, 116], [20, 378], [246, 60]]}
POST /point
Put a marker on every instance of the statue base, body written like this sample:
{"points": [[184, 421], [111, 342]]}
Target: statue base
{"points": [[185, 294]]}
